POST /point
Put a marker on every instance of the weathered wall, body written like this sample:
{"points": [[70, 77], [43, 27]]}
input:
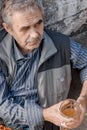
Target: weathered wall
{"points": [[65, 15]]}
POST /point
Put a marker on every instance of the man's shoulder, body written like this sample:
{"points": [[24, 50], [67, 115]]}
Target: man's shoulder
{"points": [[58, 38], [3, 33], [55, 34]]}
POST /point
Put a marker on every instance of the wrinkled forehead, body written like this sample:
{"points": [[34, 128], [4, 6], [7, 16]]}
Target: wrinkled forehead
{"points": [[25, 9], [26, 18], [28, 11]]}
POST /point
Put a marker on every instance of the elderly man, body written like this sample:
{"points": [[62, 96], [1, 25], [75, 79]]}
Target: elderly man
{"points": [[35, 72]]}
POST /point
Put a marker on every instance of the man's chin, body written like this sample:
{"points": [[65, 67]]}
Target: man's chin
{"points": [[32, 48]]}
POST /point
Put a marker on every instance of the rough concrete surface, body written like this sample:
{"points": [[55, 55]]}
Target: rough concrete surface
{"points": [[65, 15]]}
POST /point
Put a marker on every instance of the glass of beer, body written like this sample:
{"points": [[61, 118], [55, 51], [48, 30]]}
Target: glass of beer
{"points": [[69, 108]]}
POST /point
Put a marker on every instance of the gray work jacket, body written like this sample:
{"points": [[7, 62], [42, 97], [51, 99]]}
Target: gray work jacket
{"points": [[54, 72]]}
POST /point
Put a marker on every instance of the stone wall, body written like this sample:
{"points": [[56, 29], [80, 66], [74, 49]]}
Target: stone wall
{"points": [[65, 15]]}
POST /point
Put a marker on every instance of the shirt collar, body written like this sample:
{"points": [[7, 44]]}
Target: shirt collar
{"points": [[19, 56]]}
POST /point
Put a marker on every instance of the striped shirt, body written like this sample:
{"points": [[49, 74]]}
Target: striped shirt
{"points": [[19, 106]]}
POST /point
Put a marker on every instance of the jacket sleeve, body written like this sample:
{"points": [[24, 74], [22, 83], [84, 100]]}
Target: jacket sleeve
{"points": [[13, 114], [79, 58], [34, 115], [10, 112]]}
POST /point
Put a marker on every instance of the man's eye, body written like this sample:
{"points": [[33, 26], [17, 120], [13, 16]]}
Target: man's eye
{"points": [[25, 28], [39, 22]]}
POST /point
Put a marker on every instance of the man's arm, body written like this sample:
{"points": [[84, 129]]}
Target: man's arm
{"points": [[79, 61], [15, 115], [11, 112], [30, 113], [82, 100]]}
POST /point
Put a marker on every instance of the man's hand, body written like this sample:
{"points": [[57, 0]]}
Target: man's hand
{"points": [[53, 115], [83, 107], [82, 100]]}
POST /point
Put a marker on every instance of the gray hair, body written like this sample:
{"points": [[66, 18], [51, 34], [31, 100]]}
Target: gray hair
{"points": [[10, 6]]}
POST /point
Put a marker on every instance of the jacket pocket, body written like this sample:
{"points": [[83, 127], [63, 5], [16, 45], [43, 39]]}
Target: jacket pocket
{"points": [[53, 85], [61, 87]]}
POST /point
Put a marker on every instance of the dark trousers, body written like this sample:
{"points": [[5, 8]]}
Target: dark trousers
{"points": [[50, 126]]}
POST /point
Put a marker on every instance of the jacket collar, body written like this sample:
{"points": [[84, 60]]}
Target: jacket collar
{"points": [[6, 54], [6, 50], [48, 49]]}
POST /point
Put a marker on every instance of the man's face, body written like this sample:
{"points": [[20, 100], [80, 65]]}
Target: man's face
{"points": [[27, 29]]}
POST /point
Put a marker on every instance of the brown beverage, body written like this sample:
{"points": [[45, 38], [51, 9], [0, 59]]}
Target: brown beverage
{"points": [[70, 112], [69, 108]]}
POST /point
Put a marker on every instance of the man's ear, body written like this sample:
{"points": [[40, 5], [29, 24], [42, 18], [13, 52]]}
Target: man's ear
{"points": [[7, 28]]}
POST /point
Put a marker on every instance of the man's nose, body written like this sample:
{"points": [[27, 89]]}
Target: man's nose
{"points": [[34, 33]]}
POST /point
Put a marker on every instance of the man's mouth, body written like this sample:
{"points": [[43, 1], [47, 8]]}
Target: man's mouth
{"points": [[33, 41]]}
